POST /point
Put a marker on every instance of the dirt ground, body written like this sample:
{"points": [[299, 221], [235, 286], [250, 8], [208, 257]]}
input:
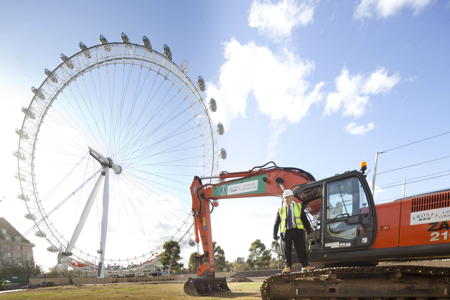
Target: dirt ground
{"points": [[131, 291]]}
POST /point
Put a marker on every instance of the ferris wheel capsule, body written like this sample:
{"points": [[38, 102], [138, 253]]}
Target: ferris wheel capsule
{"points": [[85, 50], [20, 178], [66, 61], [147, 43], [167, 52], [213, 105], [19, 155], [23, 197], [37, 92], [28, 113], [30, 217], [124, 38], [104, 41], [40, 234], [201, 83], [220, 129], [22, 134], [51, 75], [52, 249], [223, 153]]}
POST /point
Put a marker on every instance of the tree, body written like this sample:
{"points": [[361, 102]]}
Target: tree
{"points": [[239, 265], [259, 257], [219, 258], [20, 268], [276, 262], [193, 262], [171, 256]]}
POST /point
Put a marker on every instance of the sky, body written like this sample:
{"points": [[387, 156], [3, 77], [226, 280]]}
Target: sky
{"points": [[317, 85]]}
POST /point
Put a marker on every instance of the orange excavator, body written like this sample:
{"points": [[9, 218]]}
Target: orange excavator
{"points": [[351, 236]]}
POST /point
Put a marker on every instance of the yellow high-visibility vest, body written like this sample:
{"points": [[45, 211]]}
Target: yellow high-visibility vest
{"points": [[282, 211]]}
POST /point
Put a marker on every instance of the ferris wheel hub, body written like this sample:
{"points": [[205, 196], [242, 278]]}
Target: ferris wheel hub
{"points": [[106, 162]]}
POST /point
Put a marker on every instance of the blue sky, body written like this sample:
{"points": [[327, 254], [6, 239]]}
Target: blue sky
{"points": [[319, 85]]}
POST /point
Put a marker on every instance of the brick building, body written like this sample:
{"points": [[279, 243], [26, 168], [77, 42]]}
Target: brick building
{"points": [[13, 246]]}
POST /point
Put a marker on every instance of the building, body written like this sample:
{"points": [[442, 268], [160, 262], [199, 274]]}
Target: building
{"points": [[13, 246]]}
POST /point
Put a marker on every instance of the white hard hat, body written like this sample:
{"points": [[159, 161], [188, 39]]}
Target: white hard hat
{"points": [[287, 192]]}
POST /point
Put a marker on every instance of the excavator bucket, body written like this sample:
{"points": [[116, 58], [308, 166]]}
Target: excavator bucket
{"points": [[202, 286]]}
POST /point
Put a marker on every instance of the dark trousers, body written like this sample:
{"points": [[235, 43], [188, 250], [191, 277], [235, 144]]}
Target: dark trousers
{"points": [[296, 236]]}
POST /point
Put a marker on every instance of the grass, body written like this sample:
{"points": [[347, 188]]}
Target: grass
{"points": [[131, 291]]}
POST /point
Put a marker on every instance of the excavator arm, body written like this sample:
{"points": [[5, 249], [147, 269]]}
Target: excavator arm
{"points": [[260, 181]]}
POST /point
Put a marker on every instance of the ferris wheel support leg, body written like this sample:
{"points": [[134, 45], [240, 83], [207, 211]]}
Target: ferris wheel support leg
{"points": [[83, 217], [101, 265]]}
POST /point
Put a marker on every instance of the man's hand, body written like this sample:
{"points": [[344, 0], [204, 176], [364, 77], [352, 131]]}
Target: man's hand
{"points": [[276, 237]]}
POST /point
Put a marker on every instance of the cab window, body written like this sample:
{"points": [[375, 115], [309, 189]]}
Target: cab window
{"points": [[345, 198]]}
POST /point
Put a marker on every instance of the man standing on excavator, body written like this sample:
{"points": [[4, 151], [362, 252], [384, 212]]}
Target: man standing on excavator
{"points": [[292, 221]]}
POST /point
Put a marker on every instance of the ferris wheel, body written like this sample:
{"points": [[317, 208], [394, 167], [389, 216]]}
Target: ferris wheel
{"points": [[107, 150]]}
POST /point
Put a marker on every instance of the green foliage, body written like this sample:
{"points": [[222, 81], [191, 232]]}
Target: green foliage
{"points": [[277, 262], [239, 265], [193, 262], [219, 257], [259, 257], [171, 256], [20, 268]]}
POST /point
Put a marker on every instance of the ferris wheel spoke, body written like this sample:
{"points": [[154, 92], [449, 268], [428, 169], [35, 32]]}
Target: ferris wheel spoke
{"points": [[118, 124], [164, 163], [152, 96], [148, 99], [146, 151], [160, 176], [172, 150], [88, 99], [71, 128], [64, 178], [141, 139], [109, 96], [174, 133], [86, 120], [137, 91], [146, 154], [137, 152], [134, 216], [159, 183], [101, 98], [99, 109], [173, 174], [123, 122], [63, 201], [159, 216]]}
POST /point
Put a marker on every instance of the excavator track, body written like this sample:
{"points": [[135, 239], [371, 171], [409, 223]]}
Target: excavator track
{"points": [[381, 282]]}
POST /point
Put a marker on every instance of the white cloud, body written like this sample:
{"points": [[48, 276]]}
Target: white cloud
{"points": [[353, 93], [278, 20], [356, 129], [278, 83], [380, 82], [387, 8]]}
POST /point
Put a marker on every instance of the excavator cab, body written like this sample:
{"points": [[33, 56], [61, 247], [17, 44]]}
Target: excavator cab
{"points": [[342, 214]]}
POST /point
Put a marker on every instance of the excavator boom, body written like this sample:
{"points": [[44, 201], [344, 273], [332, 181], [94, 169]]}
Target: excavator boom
{"points": [[260, 181]]}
